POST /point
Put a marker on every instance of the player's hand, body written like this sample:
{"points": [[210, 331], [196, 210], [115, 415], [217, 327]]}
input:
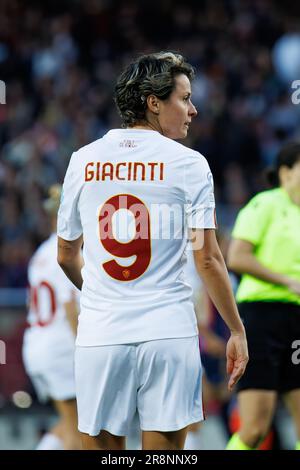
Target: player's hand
{"points": [[237, 357], [294, 286]]}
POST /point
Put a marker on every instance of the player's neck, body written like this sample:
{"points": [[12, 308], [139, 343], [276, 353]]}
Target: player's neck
{"points": [[148, 125], [294, 195]]}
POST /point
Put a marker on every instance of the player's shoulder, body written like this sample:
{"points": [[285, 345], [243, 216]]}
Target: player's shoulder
{"points": [[263, 204], [41, 255], [87, 150], [265, 198], [180, 148]]}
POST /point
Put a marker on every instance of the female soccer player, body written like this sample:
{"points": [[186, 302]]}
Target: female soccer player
{"points": [[130, 197], [49, 341], [266, 251]]}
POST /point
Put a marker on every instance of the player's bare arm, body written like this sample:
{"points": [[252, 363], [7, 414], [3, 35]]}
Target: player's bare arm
{"points": [[212, 269], [70, 260]]}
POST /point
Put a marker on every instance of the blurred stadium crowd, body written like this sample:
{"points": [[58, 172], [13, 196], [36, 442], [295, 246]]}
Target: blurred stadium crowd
{"points": [[59, 61]]}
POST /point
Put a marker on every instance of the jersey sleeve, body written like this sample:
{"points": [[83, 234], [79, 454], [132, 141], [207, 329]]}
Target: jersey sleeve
{"points": [[199, 188], [68, 218], [253, 220]]}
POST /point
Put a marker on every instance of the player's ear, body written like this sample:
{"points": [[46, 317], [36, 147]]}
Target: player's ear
{"points": [[153, 104]]}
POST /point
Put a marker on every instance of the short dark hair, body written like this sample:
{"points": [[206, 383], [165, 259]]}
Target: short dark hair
{"points": [[149, 74], [288, 156]]}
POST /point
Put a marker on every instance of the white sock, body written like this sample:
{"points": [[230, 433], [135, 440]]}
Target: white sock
{"points": [[192, 441], [50, 442]]}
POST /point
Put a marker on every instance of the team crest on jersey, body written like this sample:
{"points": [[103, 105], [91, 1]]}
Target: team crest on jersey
{"points": [[128, 143], [126, 273]]}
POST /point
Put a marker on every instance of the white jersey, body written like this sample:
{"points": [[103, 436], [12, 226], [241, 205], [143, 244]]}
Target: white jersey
{"points": [[50, 289], [132, 194]]}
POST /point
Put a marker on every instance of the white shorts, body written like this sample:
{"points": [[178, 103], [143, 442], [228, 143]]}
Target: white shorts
{"points": [[51, 369], [161, 380]]}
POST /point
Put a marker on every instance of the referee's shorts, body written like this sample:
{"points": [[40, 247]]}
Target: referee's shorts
{"points": [[272, 329]]}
